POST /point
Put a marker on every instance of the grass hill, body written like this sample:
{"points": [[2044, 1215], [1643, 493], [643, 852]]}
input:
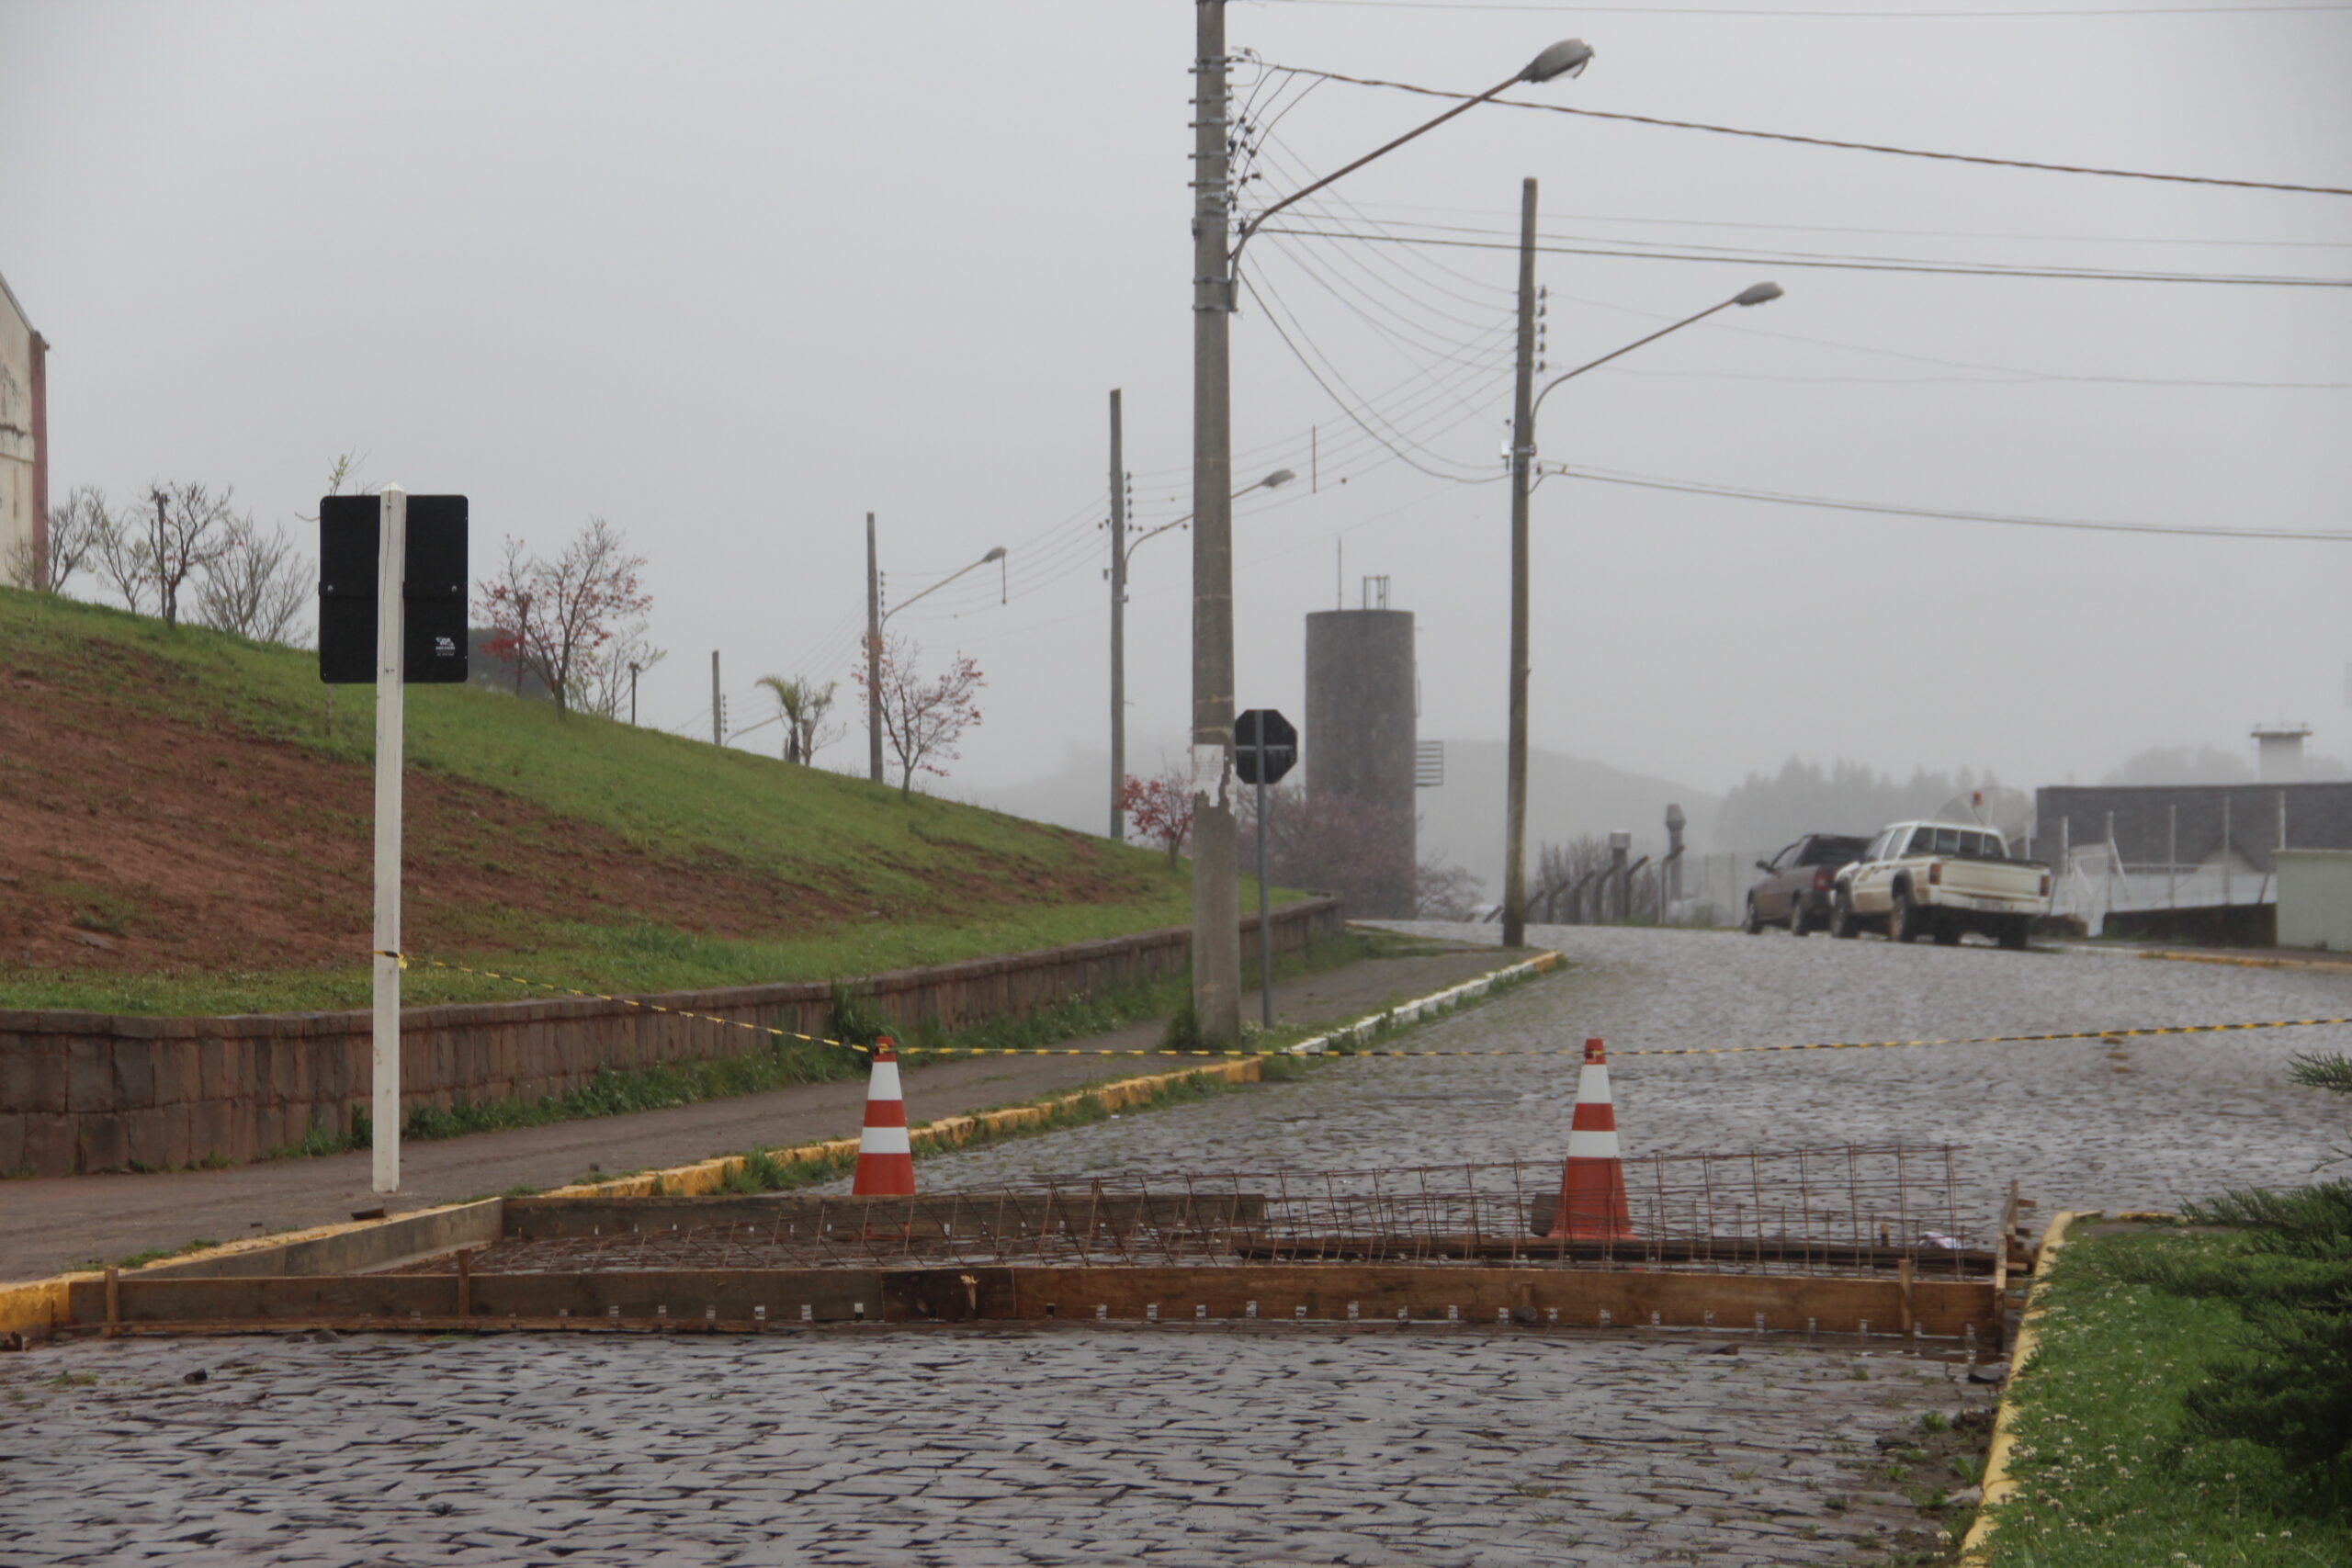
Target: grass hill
{"points": [[185, 828]]}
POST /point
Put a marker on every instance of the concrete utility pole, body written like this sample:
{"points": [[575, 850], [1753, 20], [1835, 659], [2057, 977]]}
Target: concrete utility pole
{"points": [[872, 657], [1522, 458], [1217, 925], [1118, 626], [717, 720]]}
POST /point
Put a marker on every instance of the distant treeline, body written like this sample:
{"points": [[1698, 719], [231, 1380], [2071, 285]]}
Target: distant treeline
{"points": [[1763, 812]]}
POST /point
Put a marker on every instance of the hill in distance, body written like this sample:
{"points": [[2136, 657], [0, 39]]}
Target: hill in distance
{"points": [[1462, 820], [182, 831]]}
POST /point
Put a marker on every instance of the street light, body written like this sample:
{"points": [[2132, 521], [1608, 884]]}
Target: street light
{"points": [[1217, 937], [1522, 458], [875, 617], [1122, 551]]}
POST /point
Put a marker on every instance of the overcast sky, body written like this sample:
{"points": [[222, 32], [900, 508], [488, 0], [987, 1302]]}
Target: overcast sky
{"points": [[733, 276]]}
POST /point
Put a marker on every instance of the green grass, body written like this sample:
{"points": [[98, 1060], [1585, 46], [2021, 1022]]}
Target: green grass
{"points": [[2114, 1465], [889, 881]]}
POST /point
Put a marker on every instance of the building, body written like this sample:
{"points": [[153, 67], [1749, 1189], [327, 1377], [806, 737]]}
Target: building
{"points": [[24, 438], [1358, 748], [2131, 858]]}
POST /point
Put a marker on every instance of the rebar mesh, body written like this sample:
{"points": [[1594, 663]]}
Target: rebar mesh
{"points": [[1839, 1211]]}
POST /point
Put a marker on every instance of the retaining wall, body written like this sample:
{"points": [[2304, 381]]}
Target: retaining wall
{"points": [[87, 1091]]}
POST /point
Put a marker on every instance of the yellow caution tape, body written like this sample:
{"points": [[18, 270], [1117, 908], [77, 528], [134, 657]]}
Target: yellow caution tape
{"points": [[1350, 1051]]}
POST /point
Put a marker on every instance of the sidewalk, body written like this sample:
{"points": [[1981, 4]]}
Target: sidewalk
{"points": [[51, 1223]]}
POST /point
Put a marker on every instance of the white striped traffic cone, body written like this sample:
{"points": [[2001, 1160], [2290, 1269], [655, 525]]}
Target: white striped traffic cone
{"points": [[1592, 1183], [886, 1165]]}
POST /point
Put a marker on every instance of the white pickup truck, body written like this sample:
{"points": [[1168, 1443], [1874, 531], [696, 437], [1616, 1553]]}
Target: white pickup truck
{"points": [[1942, 878]]}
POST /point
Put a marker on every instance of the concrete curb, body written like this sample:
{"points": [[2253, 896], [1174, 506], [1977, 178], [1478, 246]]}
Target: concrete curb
{"points": [[2000, 1486], [1421, 1006]]}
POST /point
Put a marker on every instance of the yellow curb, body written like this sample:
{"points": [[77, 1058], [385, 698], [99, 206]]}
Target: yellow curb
{"points": [[1999, 1486], [710, 1175], [2248, 963]]}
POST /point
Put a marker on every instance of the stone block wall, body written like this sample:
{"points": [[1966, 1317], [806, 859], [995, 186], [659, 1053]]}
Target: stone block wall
{"points": [[87, 1091]]}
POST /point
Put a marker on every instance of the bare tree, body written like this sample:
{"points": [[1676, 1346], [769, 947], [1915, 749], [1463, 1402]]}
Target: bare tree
{"points": [[75, 530], [125, 557], [601, 682], [553, 618], [256, 585], [187, 532], [922, 720], [1335, 844], [802, 705]]}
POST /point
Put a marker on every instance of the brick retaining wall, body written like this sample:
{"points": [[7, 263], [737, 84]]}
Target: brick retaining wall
{"points": [[89, 1091]]}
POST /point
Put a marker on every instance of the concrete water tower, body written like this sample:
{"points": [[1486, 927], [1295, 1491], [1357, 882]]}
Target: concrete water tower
{"points": [[1358, 746], [2279, 751]]}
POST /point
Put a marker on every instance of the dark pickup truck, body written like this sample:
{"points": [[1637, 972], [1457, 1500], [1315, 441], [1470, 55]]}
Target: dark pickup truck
{"points": [[1798, 883]]}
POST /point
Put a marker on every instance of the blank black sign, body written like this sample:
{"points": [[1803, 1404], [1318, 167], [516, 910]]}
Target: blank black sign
{"points": [[1281, 745], [433, 644]]}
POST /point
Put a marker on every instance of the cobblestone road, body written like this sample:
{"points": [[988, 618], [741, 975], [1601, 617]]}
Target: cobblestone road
{"points": [[2080, 1123], [959, 1448], [1228, 1448]]}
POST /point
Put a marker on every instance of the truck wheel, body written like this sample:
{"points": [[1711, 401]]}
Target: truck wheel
{"points": [[1901, 920], [1947, 934], [1754, 924], [1798, 924], [2012, 934], [1841, 916]]}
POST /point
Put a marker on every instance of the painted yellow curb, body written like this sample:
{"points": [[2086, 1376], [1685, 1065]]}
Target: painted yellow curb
{"points": [[1975, 1549], [2246, 962], [710, 1175]]}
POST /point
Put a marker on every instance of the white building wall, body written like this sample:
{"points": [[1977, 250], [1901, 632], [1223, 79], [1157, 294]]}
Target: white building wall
{"points": [[2316, 899], [19, 505]]}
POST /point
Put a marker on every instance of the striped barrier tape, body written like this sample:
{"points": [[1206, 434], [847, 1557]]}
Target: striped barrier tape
{"points": [[905, 1049]]}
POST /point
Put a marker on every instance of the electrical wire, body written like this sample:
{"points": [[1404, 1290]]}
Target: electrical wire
{"points": [[1891, 509], [2094, 275], [1820, 141], [1859, 16]]}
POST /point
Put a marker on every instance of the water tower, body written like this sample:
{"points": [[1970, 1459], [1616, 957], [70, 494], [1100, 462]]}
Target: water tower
{"points": [[1358, 746], [2279, 751]]}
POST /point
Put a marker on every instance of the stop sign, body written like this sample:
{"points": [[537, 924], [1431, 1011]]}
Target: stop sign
{"points": [[1265, 746]]}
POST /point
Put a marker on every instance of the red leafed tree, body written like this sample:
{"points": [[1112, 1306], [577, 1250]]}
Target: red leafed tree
{"points": [[551, 618], [1160, 809], [923, 718]]}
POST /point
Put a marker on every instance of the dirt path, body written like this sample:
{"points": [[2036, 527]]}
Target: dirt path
{"points": [[51, 1223]]}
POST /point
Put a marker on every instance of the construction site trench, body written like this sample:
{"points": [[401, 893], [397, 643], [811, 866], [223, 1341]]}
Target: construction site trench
{"points": [[1348, 1319]]}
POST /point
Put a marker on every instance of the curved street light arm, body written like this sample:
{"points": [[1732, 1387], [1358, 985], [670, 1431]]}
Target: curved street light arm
{"points": [[1621, 352], [1252, 227], [995, 555]]}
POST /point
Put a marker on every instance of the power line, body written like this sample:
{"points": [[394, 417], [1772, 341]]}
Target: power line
{"points": [[1823, 140], [1859, 16], [1891, 509], [2093, 274], [1857, 228]]}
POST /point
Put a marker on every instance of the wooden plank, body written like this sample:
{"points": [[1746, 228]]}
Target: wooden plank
{"points": [[1464, 1245], [358, 1250], [1539, 1297], [1570, 1296]]}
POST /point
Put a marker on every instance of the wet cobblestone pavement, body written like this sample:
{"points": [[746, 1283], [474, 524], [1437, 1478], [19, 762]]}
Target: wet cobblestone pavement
{"points": [[1473, 1446], [961, 1448]]}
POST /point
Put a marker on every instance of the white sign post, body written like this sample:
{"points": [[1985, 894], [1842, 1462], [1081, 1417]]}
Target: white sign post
{"points": [[391, 584]]}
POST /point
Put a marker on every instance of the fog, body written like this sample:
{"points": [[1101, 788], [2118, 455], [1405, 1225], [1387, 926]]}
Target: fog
{"points": [[732, 277]]}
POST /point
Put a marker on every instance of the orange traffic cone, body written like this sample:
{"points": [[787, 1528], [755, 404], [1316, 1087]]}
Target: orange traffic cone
{"points": [[1592, 1184], [886, 1165]]}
